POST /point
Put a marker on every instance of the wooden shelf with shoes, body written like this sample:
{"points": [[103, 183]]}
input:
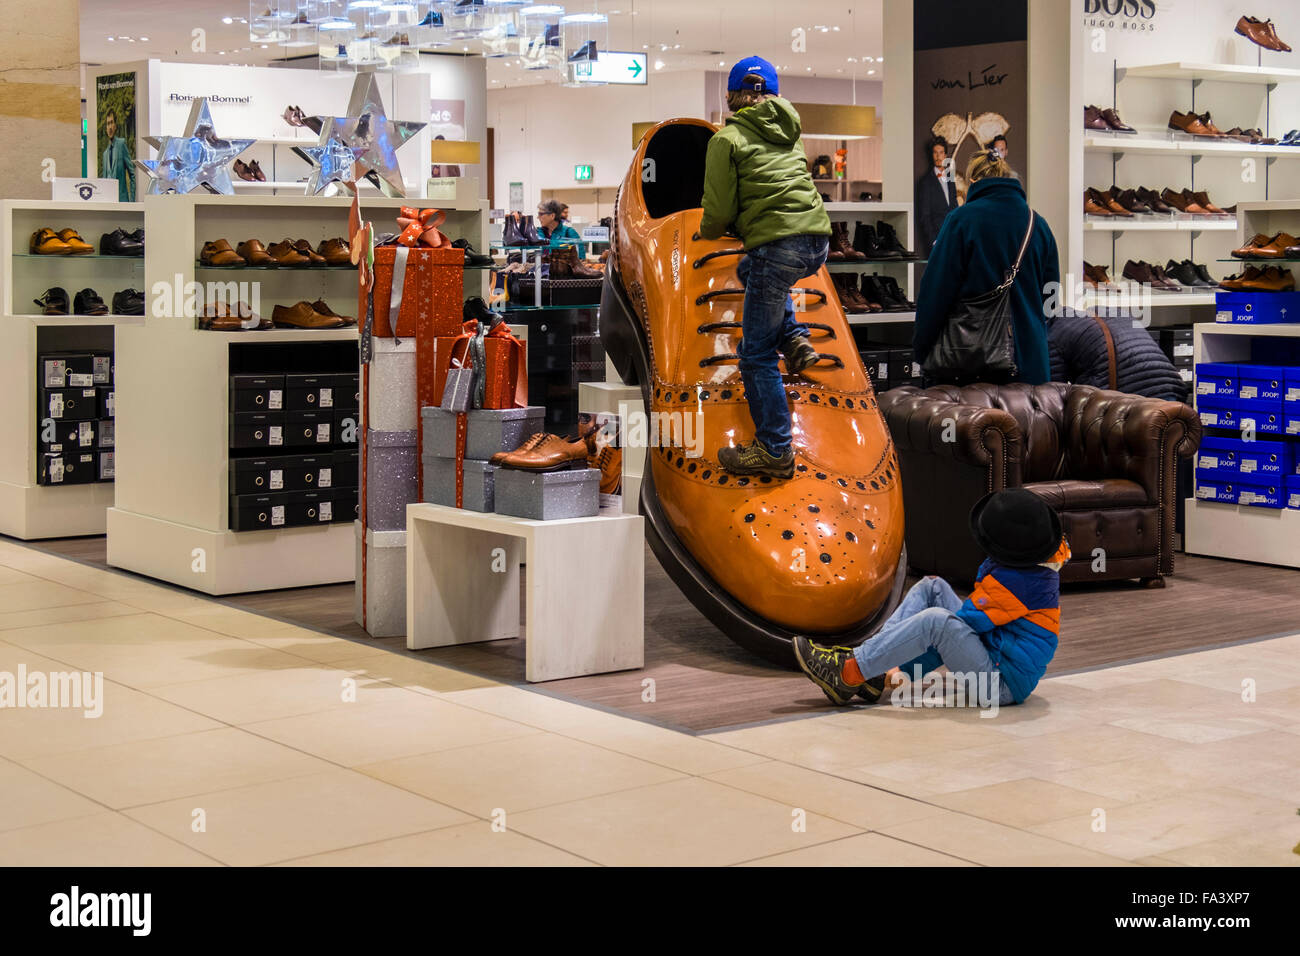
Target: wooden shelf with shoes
{"points": [[862, 227], [29, 508], [172, 516]]}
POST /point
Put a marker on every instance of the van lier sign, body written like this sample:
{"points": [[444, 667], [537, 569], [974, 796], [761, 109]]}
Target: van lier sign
{"points": [[1135, 16]]}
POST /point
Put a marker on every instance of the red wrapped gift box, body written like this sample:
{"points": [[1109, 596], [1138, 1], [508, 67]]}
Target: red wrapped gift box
{"points": [[507, 376], [431, 294]]}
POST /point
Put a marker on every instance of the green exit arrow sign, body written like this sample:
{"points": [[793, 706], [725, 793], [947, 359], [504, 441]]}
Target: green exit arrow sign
{"points": [[635, 68], [582, 174]]}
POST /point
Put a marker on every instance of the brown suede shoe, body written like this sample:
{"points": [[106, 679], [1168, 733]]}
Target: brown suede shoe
{"points": [[220, 255], [1094, 205], [1274, 248], [303, 316], [255, 254], [1203, 200]]}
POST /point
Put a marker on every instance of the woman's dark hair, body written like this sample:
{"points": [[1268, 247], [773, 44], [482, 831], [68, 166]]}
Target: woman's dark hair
{"points": [[552, 206]]}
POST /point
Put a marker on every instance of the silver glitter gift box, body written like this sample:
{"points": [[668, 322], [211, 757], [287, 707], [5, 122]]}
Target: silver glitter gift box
{"points": [[548, 495], [392, 478], [380, 607], [392, 386], [477, 490], [501, 429], [439, 433], [458, 393]]}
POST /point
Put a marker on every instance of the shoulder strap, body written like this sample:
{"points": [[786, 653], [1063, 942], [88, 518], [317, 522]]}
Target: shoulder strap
{"points": [[1111, 364], [1015, 267]]}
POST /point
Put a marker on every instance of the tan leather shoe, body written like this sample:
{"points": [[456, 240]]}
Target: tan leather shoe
{"points": [[820, 552], [1272, 279], [531, 442], [1248, 250], [46, 242], [1273, 248], [549, 454], [335, 252], [304, 249], [1261, 32], [76, 245], [1188, 123], [1203, 200], [303, 316], [255, 254], [286, 255], [1208, 123], [1238, 282], [1092, 207], [323, 309], [220, 255], [609, 460]]}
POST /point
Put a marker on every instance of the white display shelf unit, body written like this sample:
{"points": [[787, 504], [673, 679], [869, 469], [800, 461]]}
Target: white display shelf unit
{"points": [[28, 510], [1125, 143], [1241, 532], [899, 215], [171, 517], [1158, 300], [1121, 224], [1214, 72]]}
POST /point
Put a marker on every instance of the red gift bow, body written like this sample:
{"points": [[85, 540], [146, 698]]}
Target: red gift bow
{"points": [[420, 227]]}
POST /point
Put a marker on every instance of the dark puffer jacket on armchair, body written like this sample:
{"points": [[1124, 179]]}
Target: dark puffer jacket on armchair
{"points": [[1104, 460], [1077, 347]]}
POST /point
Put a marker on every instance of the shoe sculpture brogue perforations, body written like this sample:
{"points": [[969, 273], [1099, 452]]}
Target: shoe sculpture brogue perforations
{"points": [[765, 558]]}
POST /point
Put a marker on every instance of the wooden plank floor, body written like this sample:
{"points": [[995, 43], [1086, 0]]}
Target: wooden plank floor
{"points": [[704, 682]]}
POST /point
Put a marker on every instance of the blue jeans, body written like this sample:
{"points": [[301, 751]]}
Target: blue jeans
{"points": [[925, 631], [767, 272]]}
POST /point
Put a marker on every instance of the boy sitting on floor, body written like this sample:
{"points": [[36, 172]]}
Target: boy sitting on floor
{"points": [[1005, 632]]}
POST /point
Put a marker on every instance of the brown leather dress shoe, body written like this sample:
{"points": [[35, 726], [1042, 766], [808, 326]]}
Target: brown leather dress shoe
{"points": [[304, 249], [323, 309], [1192, 205], [1261, 32], [1203, 200], [1238, 282], [1113, 204], [1153, 201], [335, 252], [303, 316], [610, 462], [76, 245], [531, 442], [220, 255], [1188, 123], [1128, 198], [1272, 279], [1118, 125], [241, 169], [549, 454], [286, 255], [255, 253], [1209, 124], [1275, 247], [1094, 205], [1093, 120]]}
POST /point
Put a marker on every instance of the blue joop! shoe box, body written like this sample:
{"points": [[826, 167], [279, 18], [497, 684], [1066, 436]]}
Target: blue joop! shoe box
{"points": [[1256, 308], [1258, 493], [1291, 484], [1291, 396], [1265, 418], [1261, 382], [1216, 379], [1217, 412]]}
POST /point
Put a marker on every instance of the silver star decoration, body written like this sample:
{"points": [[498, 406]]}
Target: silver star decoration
{"points": [[333, 162], [198, 157], [368, 128]]}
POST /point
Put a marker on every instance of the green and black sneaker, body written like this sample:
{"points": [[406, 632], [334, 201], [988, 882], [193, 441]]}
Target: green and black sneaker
{"points": [[799, 354], [873, 691], [754, 459], [825, 666]]}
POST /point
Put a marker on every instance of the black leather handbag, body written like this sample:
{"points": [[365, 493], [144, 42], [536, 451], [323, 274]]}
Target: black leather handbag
{"points": [[977, 344]]}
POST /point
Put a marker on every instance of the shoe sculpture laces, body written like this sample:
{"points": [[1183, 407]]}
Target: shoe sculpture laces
{"points": [[763, 558]]}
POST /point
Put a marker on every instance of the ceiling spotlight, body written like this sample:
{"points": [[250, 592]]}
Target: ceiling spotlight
{"points": [[227, 20], [145, 39], [871, 72], [871, 59], [109, 39], [659, 64]]}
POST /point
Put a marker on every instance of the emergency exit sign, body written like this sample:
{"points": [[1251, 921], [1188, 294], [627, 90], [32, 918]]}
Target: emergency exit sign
{"points": [[582, 174]]}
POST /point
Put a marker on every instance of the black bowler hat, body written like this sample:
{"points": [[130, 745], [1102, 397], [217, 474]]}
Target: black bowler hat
{"points": [[1016, 527]]}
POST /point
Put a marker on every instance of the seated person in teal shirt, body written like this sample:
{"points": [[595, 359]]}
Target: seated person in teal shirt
{"points": [[556, 229]]}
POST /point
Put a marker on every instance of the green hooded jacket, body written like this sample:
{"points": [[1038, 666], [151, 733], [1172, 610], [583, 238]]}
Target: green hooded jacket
{"points": [[756, 178]]}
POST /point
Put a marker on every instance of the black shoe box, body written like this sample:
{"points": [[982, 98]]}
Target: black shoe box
{"points": [[309, 429], [69, 437], [309, 507], [321, 392], [877, 365], [256, 393], [257, 430], [107, 401], [347, 504], [106, 433], [70, 404], [347, 421], [258, 512], [70, 468], [902, 368], [106, 465], [1176, 342], [71, 369], [254, 476], [347, 469]]}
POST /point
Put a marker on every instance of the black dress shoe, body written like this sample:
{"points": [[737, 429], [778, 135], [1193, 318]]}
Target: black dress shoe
{"points": [[1183, 272], [120, 243], [895, 291], [53, 302], [88, 302], [1204, 275], [472, 258], [889, 241], [128, 302]]}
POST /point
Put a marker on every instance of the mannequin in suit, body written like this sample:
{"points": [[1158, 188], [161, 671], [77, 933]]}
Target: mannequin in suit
{"points": [[936, 196]]}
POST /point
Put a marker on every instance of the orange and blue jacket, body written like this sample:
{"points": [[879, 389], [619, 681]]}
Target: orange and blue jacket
{"points": [[1017, 614]]}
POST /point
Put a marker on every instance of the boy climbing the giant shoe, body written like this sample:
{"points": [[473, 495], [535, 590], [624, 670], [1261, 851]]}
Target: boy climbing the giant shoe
{"points": [[780, 511], [756, 181]]}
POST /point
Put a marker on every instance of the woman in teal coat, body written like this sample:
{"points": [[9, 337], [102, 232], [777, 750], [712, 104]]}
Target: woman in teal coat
{"points": [[556, 229], [976, 247]]}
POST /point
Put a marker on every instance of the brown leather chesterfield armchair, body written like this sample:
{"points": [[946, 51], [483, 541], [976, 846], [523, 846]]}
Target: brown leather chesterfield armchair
{"points": [[1105, 460]]}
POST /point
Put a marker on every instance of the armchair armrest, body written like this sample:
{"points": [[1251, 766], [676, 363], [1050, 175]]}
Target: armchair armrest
{"points": [[1117, 435], [930, 422]]}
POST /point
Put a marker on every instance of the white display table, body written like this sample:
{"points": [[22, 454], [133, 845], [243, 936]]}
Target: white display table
{"points": [[585, 605]]}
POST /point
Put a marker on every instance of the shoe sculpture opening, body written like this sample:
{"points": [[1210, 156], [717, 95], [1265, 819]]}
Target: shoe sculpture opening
{"points": [[765, 559]]}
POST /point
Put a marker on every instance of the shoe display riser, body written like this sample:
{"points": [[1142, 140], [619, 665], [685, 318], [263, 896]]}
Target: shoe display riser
{"points": [[1267, 530]]}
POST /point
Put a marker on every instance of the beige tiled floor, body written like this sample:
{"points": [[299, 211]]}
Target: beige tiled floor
{"points": [[228, 738]]}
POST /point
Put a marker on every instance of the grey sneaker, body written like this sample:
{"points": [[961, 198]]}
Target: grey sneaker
{"points": [[799, 354], [824, 665], [754, 459]]}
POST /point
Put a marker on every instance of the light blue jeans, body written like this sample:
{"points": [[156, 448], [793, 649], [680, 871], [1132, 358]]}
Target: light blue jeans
{"points": [[925, 631]]}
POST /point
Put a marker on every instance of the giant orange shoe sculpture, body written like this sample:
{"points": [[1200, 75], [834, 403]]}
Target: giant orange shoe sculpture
{"points": [[764, 559]]}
